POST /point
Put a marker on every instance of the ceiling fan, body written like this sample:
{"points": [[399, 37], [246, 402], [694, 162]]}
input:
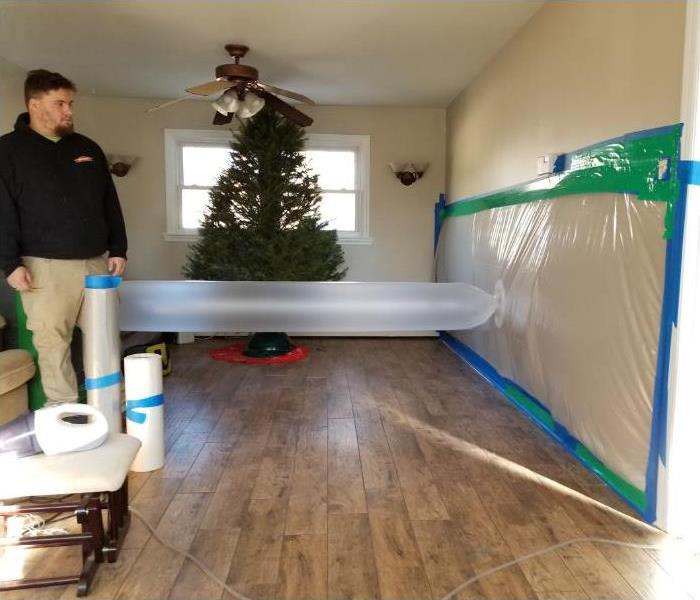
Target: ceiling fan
{"points": [[243, 94]]}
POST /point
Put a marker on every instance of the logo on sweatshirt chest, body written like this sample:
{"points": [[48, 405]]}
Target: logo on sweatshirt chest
{"points": [[83, 159]]}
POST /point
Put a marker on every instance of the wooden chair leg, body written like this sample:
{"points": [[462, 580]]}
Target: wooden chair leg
{"points": [[125, 503], [86, 577], [118, 520], [93, 524], [90, 518]]}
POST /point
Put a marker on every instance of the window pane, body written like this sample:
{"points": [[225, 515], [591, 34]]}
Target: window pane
{"points": [[335, 168], [202, 165], [194, 205], [339, 211]]}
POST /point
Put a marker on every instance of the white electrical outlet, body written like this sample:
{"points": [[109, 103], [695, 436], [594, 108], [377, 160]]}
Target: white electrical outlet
{"points": [[545, 164], [185, 337]]}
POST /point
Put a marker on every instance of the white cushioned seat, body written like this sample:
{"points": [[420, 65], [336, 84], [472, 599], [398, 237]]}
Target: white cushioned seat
{"points": [[101, 469]]}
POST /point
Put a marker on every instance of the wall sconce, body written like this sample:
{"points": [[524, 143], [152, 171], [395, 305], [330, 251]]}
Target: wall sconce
{"points": [[408, 173], [119, 165]]}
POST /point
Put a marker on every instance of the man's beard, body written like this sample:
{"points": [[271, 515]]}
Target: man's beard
{"points": [[62, 130]]}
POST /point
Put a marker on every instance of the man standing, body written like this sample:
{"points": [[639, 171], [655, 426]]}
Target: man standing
{"points": [[59, 221]]}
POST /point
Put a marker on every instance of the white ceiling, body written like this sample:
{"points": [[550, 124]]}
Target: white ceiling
{"points": [[352, 52]]}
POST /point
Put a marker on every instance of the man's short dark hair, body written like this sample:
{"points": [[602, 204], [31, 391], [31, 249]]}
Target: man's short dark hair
{"points": [[41, 81]]}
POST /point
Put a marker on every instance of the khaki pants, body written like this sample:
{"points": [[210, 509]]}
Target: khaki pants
{"points": [[53, 309]]}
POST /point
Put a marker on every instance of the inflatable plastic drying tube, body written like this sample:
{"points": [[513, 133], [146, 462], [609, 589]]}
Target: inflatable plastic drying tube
{"points": [[293, 306]]}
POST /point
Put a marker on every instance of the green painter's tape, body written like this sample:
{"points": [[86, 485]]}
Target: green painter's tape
{"points": [[631, 164], [530, 406], [623, 487], [35, 390], [632, 494]]}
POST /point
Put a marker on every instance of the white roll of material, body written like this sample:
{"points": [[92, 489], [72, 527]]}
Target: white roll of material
{"points": [[99, 321], [143, 381]]}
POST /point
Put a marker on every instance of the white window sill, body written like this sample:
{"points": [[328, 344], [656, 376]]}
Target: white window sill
{"points": [[194, 237], [355, 241], [180, 237]]}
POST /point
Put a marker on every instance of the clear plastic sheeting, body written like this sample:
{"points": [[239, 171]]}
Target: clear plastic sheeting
{"points": [[201, 306], [579, 282], [99, 321]]}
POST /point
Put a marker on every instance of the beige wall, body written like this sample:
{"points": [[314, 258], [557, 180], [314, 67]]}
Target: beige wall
{"points": [[11, 94], [401, 218], [11, 104], [578, 72]]}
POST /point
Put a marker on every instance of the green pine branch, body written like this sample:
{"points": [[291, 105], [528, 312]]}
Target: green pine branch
{"points": [[263, 221]]}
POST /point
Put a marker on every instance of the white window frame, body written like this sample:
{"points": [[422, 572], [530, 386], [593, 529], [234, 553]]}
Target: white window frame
{"points": [[360, 145], [175, 139]]}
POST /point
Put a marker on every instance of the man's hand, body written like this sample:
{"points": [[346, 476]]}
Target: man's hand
{"points": [[20, 279], [116, 265]]}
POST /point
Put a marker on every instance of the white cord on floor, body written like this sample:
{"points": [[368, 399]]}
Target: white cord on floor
{"points": [[449, 596], [193, 558], [510, 563], [28, 525]]}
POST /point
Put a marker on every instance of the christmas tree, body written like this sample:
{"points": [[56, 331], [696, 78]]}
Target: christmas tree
{"points": [[263, 221]]}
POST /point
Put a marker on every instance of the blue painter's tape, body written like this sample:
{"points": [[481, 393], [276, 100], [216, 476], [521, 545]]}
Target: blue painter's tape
{"points": [[565, 438], [559, 164], [492, 376], [102, 282], [690, 172], [97, 383], [559, 433], [140, 417], [439, 205]]}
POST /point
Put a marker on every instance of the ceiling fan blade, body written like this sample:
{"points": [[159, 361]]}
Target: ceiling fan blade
{"points": [[220, 119], [211, 87], [294, 115], [164, 104], [285, 93]]}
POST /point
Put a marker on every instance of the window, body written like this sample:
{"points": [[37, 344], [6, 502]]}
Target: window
{"points": [[342, 164], [201, 167], [195, 158]]}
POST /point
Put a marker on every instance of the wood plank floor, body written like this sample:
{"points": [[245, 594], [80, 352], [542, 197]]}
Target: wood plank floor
{"points": [[378, 468]]}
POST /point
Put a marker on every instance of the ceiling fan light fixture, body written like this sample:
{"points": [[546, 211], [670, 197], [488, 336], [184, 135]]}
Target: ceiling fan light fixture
{"points": [[252, 104], [227, 103], [243, 95]]}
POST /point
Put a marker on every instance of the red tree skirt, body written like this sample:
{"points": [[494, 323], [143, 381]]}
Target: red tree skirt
{"points": [[234, 354]]}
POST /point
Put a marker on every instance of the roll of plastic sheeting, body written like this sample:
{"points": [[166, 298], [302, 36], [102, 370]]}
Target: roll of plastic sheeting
{"points": [[99, 321], [294, 306], [143, 381], [56, 436]]}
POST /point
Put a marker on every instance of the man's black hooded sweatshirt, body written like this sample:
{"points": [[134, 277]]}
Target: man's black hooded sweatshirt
{"points": [[57, 199]]}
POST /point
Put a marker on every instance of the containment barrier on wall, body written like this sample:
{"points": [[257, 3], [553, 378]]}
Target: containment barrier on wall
{"points": [[582, 264]]}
